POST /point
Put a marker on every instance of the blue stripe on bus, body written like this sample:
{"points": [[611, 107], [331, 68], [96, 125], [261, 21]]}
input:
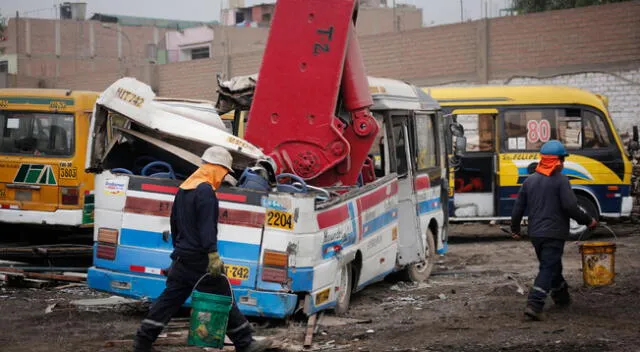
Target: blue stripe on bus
{"points": [[153, 240], [301, 280], [444, 249], [607, 205], [376, 278], [379, 222], [144, 239], [267, 304], [429, 205]]}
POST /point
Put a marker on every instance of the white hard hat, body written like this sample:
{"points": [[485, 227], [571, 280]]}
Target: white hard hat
{"points": [[218, 156]]}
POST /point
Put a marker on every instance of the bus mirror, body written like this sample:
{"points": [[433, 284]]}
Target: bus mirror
{"points": [[456, 129], [461, 145]]}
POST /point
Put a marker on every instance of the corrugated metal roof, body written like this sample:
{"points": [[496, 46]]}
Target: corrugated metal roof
{"points": [[148, 21]]}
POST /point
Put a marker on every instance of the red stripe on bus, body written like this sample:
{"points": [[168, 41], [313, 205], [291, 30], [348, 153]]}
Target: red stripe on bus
{"points": [[372, 199], [136, 268], [241, 218], [332, 217], [158, 188], [423, 182], [146, 206], [232, 197]]}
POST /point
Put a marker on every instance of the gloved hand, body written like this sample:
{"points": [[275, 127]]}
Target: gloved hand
{"points": [[215, 264]]}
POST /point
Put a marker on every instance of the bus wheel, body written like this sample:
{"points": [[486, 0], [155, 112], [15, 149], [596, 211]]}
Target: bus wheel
{"points": [[343, 289], [419, 272], [579, 232]]}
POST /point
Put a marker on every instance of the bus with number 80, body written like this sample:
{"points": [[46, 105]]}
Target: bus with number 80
{"points": [[505, 126]]}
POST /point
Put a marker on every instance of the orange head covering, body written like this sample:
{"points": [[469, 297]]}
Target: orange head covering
{"points": [[209, 173], [548, 164]]}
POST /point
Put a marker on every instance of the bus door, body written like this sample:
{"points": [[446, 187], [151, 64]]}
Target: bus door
{"points": [[33, 145], [411, 249], [476, 179]]}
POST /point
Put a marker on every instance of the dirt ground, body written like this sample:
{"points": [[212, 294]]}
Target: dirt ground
{"points": [[473, 302]]}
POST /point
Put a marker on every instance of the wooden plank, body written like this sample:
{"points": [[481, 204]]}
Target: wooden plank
{"points": [[43, 276], [308, 337]]}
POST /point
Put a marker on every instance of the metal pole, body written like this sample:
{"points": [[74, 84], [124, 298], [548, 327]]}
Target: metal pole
{"points": [[394, 16], [461, 11]]}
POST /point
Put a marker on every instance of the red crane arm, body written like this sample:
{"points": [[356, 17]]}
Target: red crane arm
{"points": [[311, 57]]}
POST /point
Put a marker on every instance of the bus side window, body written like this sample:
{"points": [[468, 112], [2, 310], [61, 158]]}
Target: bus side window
{"points": [[569, 127], [596, 133], [527, 130], [401, 151], [377, 151], [479, 130], [426, 147]]}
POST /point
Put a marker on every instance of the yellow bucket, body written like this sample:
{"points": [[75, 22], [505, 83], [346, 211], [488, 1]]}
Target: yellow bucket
{"points": [[598, 263]]}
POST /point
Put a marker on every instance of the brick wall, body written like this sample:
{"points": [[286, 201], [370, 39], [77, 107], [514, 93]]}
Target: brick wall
{"points": [[420, 55], [583, 47], [545, 42], [48, 48], [191, 79]]}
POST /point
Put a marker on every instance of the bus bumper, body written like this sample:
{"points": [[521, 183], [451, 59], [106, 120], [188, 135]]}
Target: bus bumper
{"points": [[627, 204], [146, 287], [34, 217]]}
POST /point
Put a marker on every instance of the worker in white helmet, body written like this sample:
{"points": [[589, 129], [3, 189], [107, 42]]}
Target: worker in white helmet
{"points": [[194, 230]]}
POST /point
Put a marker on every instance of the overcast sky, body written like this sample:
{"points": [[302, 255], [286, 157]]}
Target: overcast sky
{"points": [[434, 11]]}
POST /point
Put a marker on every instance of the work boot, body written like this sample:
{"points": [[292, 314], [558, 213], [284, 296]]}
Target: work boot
{"points": [[256, 346], [143, 346], [561, 298], [533, 314]]}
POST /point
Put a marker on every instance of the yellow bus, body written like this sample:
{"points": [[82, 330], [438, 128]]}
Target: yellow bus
{"points": [[42, 155], [43, 143], [505, 127]]}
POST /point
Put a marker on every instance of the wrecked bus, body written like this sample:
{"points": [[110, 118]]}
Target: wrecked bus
{"points": [[288, 248]]}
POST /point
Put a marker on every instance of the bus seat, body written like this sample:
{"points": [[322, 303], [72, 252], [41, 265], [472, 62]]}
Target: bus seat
{"points": [[368, 171], [151, 170], [122, 171]]}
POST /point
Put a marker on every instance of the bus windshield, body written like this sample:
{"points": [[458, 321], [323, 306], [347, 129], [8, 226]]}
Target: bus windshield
{"points": [[36, 134]]}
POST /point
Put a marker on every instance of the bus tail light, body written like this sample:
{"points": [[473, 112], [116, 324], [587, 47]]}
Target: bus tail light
{"points": [[107, 242], [106, 235], [106, 251], [70, 195], [274, 266]]}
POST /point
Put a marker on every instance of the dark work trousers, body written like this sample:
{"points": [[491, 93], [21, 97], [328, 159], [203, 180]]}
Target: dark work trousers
{"points": [[549, 280], [181, 280]]}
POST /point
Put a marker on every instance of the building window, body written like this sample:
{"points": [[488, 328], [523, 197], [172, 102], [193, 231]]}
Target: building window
{"points": [[200, 53], [4, 66]]}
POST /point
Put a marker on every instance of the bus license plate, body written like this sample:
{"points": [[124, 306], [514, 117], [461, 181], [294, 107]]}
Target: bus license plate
{"points": [[280, 219], [238, 272], [68, 173]]}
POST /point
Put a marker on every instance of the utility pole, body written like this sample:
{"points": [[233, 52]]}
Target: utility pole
{"points": [[461, 11], [395, 26]]}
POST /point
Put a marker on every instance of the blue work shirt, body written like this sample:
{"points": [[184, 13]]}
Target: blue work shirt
{"points": [[551, 203], [194, 224]]}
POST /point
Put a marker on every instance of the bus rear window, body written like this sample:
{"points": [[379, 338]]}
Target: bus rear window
{"points": [[36, 134]]}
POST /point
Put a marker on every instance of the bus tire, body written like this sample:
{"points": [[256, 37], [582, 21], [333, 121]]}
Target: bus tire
{"points": [[343, 290], [420, 272], [579, 232]]}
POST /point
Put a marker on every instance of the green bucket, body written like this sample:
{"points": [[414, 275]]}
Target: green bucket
{"points": [[209, 316]]}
